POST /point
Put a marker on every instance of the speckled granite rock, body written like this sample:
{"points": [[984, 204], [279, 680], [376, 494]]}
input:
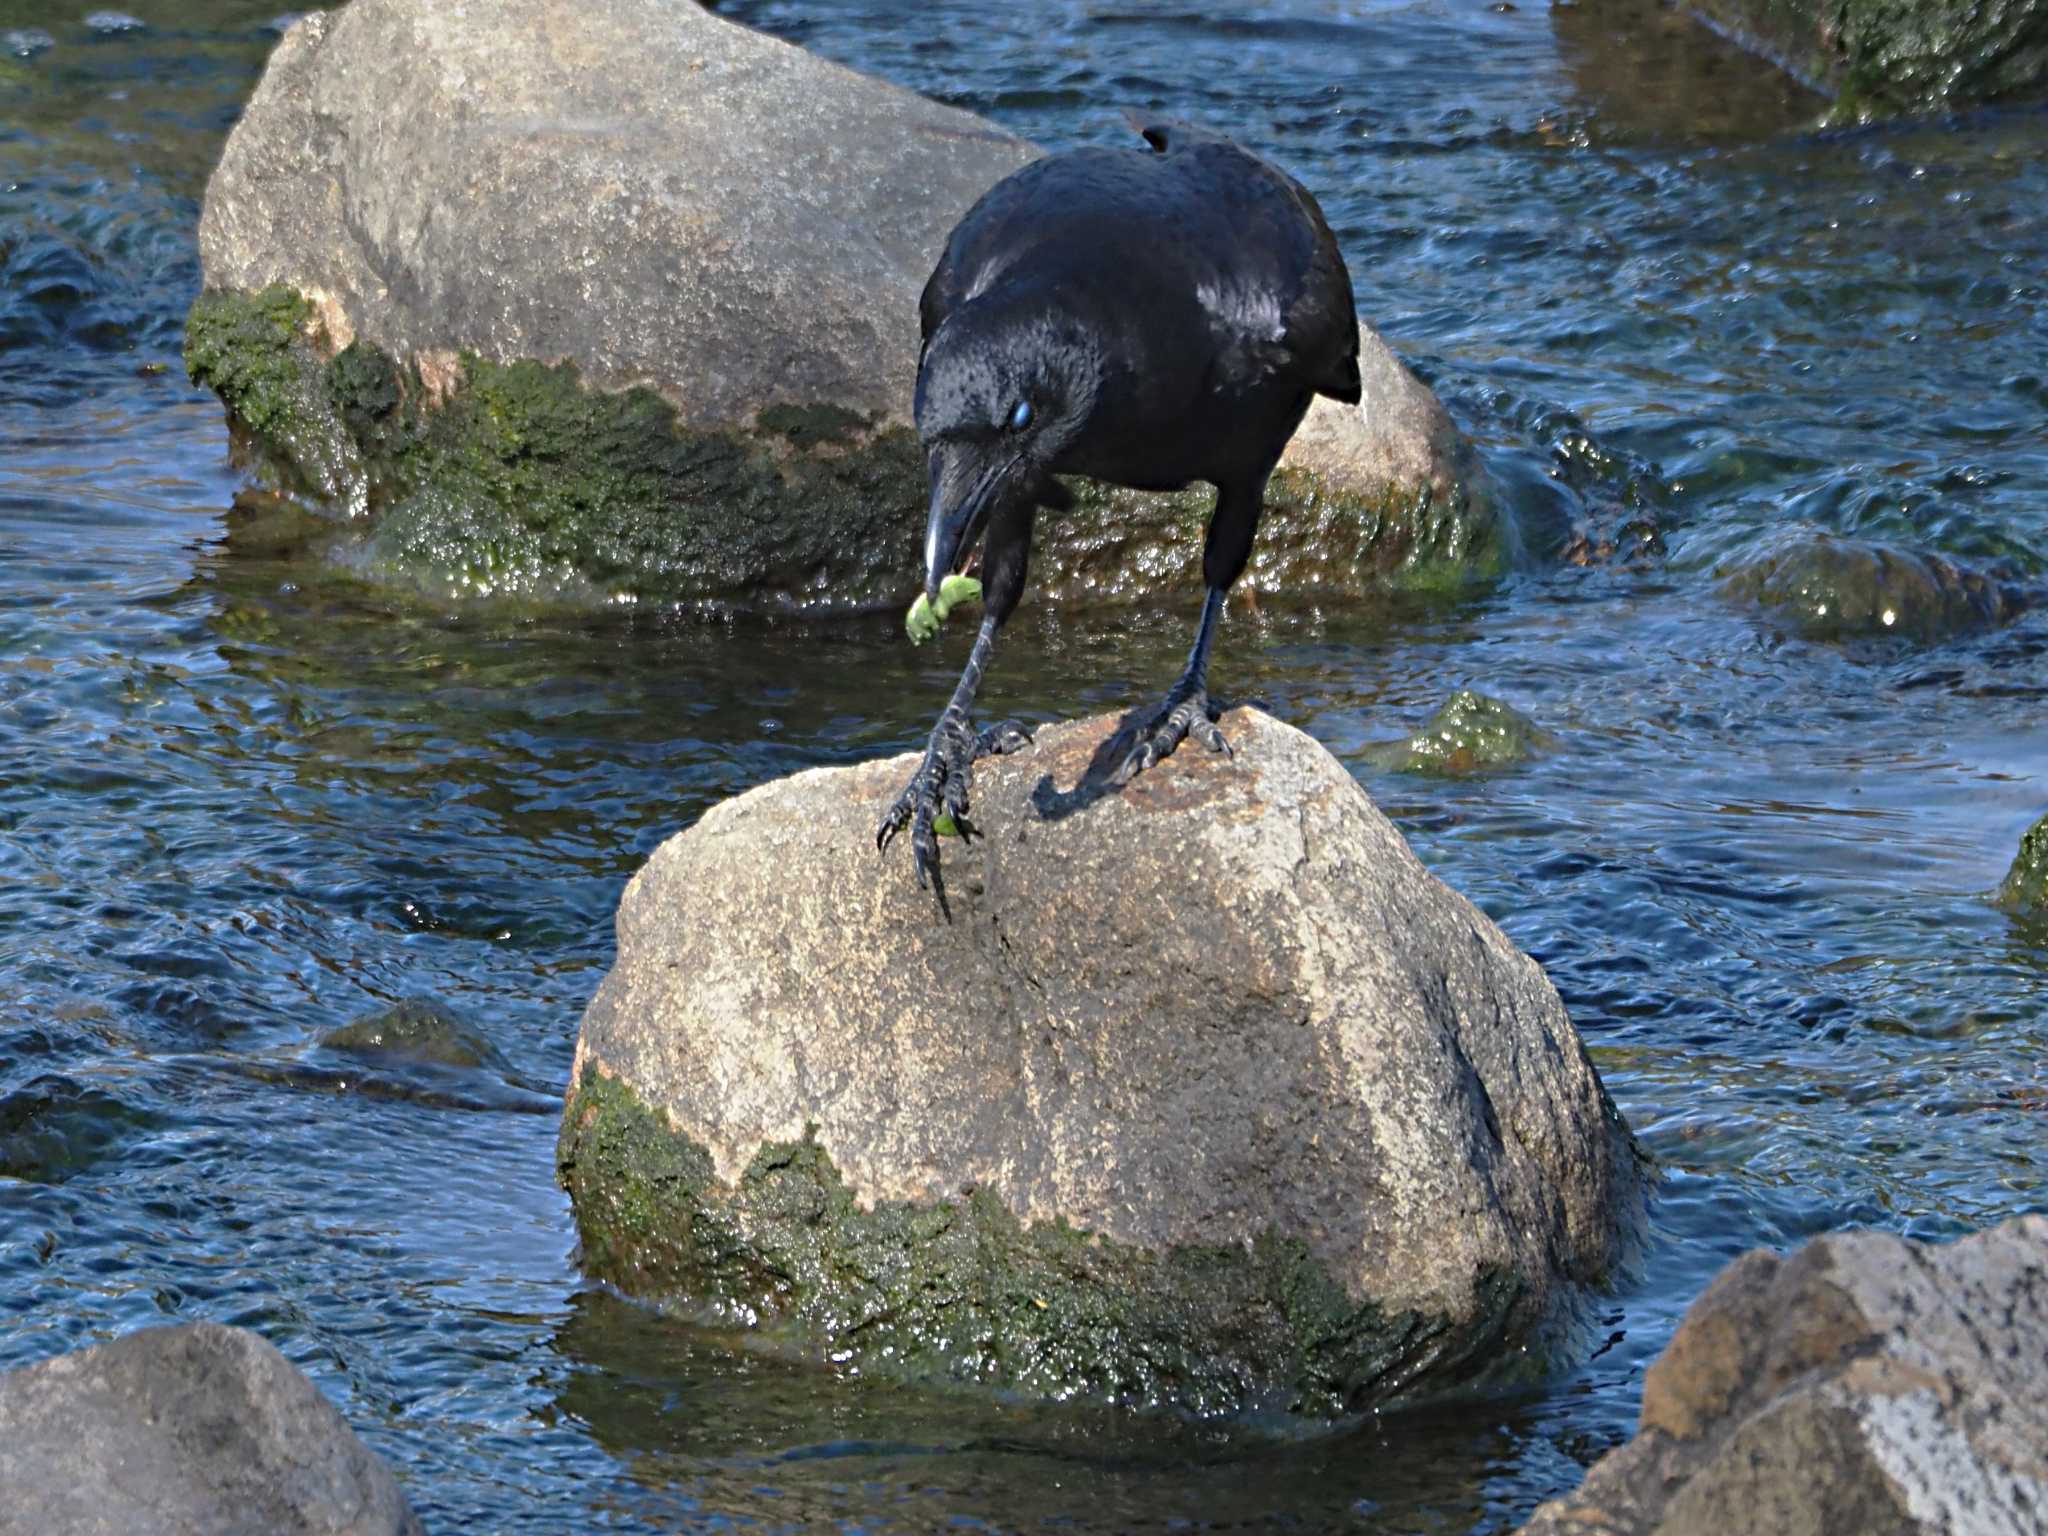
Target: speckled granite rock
{"points": [[198, 1430], [1865, 1386], [1208, 1095], [618, 300]]}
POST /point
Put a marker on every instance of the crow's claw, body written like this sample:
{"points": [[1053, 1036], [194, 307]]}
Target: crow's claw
{"points": [[1184, 714], [940, 786]]}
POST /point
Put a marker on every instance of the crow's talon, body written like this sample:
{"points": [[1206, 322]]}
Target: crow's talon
{"points": [[1001, 739], [1181, 716], [940, 788]]}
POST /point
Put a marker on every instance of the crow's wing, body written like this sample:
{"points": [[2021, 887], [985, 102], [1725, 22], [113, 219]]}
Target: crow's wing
{"points": [[1282, 302]]}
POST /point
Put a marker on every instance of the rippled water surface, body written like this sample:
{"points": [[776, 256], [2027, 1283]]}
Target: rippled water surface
{"points": [[243, 801]]}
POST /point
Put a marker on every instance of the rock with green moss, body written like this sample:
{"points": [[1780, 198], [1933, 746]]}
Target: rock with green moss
{"points": [[1470, 734], [2026, 884], [1878, 58], [1832, 588], [630, 314], [1202, 1094]]}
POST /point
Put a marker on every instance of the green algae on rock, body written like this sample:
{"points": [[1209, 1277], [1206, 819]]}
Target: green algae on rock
{"points": [[2025, 888], [1327, 1142], [489, 479], [1472, 732], [1880, 58], [961, 1291]]}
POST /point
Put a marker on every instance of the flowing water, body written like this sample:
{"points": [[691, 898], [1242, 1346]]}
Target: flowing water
{"points": [[244, 801]]}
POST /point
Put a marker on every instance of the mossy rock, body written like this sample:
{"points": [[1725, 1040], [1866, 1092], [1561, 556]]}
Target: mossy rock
{"points": [[482, 479], [1470, 734], [963, 1292], [2025, 888], [997, 1143]]}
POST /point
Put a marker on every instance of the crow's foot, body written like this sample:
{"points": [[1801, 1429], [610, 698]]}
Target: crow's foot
{"points": [[1186, 712], [940, 786]]}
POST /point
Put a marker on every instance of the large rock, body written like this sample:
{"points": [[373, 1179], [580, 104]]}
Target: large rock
{"points": [[1880, 57], [1208, 1093], [619, 300], [1866, 1386], [192, 1431]]}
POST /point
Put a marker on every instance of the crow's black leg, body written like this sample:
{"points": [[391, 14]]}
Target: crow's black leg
{"points": [[942, 780], [1186, 711]]}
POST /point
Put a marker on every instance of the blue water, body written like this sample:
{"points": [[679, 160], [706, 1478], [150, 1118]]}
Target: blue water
{"points": [[244, 799]]}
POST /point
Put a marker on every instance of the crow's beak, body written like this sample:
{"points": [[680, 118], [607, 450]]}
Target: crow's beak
{"points": [[965, 487]]}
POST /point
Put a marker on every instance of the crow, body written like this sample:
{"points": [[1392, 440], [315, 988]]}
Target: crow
{"points": [[1146, 317]]}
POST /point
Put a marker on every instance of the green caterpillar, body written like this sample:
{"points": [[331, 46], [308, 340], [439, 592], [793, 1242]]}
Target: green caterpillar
{"points": [[926, 616]]}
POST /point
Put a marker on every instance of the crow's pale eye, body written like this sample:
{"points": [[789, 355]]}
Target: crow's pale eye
{"points": [[1020, 418]]}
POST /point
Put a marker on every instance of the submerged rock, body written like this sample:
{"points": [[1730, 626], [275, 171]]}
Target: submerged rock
{"points": [[1865, 1384], [1832, 588], [2026, 884], [1469, 734], [1206, 1095], [193, 1431], [417, 1029], [630, 312], [1878, 58]]}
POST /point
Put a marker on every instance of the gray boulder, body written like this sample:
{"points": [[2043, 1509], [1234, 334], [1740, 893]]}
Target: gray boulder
{"points": [[192, 1431], [1866, 1386], [628, 309], [1207, 1094]]}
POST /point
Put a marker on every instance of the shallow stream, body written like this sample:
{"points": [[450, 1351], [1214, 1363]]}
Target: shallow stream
{"points": [[244, 801]]}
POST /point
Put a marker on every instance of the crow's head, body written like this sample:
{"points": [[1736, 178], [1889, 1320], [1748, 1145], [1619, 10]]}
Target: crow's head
{"points": [[1003, 390]]}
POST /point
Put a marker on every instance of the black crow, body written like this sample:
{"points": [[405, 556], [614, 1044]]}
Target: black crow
{"points": [[1145, 317]]}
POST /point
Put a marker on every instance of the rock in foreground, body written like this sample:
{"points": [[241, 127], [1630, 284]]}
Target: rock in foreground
{"points": [[192, 1431], [627, 309], [1209, 1094], [1866, 1385]]}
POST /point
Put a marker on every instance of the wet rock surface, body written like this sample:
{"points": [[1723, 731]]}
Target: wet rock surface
{"points": [[191, 1431], [1878, 58], [1831, 588], [1208, 1095], [1864, 1384], [625, 308]]}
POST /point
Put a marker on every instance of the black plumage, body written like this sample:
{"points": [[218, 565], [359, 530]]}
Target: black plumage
{"points": [[1145, 317]]}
